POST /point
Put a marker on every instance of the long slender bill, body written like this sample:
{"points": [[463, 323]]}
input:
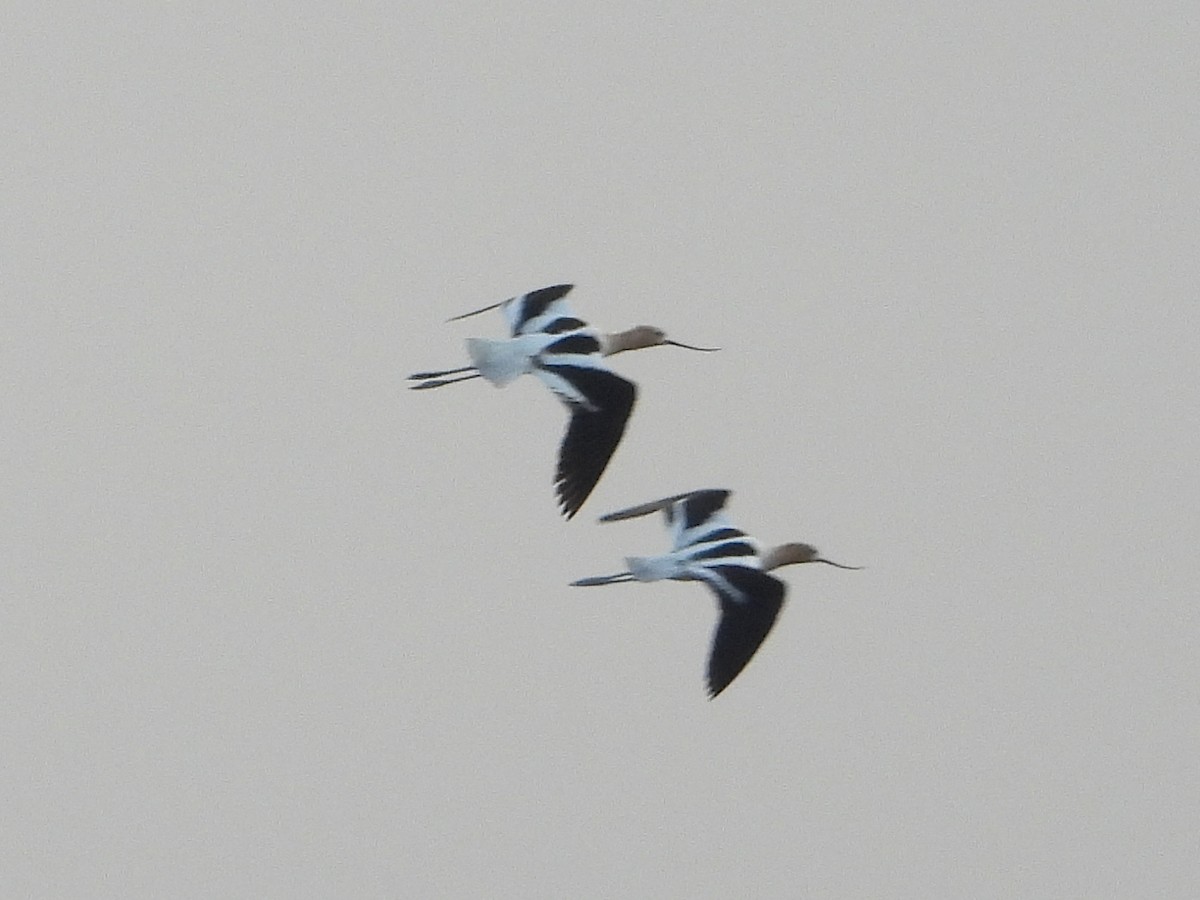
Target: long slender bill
{"points": [[830, 562], [690, 347]]}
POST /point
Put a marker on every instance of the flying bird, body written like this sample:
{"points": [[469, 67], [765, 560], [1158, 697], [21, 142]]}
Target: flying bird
{"points": [[706, 547], [567, 355]]}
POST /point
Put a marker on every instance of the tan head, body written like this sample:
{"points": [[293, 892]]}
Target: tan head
{"points": [[640, 337], [792, 554]]}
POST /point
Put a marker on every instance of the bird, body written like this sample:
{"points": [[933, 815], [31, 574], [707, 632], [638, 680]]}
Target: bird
{"points": [[706, 547], [549, 341]]}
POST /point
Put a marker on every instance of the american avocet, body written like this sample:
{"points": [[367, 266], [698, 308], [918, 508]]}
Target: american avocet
{"points": [[549, 341], [706, 547]]}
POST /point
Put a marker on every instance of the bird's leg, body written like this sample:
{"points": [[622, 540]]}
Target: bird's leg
{"points": [[442, 382], [603, 579], [438, 379], [421, 376]]}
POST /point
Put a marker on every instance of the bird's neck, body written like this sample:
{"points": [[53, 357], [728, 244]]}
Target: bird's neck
{"points": [[618, 342], [779, 556]]}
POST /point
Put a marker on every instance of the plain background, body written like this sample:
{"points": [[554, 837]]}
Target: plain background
{"points": [[273, 626]]}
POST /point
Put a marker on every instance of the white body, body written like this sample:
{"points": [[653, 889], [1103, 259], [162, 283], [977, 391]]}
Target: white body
{"points": [[502, 362], [689, 557]]}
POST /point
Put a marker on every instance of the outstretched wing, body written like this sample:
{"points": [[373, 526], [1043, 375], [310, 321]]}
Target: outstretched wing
{"points": [[643, 509], [689, 509], [750, 601], [542, 310], [600, 402], [697, 518], [697, 508]]}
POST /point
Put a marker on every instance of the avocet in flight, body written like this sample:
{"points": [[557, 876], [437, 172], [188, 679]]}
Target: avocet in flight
{"points": [[706, 547], [567, 355]]}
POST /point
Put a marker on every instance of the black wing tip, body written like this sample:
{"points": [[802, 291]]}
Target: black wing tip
{"points": [[569, 510], [713, 498], [744, 623], [590, 441], [574, 492], [552, 292], [572, 495], [715, 684], [700, 506]]}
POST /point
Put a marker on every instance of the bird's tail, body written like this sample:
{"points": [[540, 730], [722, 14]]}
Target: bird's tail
{"points": [[653, 568], [500, 362]]}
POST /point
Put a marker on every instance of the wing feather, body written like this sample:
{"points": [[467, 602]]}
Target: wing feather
{"points": [[523, 311], [750, 602], [594, 431]]}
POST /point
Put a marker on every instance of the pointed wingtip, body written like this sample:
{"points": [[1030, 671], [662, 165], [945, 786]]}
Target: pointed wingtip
{"points": [[592, 436], [569, 503], [569, 498], [644, 509], [475, 312], [549, 294], [715, 687]]}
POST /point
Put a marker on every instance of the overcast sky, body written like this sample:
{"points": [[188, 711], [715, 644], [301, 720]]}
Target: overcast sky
{"points": [[273, 625]]}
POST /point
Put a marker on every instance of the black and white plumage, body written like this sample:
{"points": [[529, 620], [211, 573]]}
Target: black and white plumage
{"points": [[567, 355], [706, 547]]}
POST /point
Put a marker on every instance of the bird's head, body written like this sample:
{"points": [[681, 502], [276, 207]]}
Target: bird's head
{"points": [[641, 336], [792, 554], [789, 555]]}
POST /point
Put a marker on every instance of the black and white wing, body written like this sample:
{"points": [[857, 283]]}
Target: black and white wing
{"points": [[600, 403], [750, 601], [543, 310], [697, 518], [645, 509]]}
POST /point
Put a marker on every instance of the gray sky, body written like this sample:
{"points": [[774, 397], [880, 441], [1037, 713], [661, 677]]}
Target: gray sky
{"points": [[274, 626]]}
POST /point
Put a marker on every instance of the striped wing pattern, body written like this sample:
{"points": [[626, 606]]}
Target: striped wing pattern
{"points": [[566, 354], [599, 400], [698, 525], [728, 561], [543, 310]]}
